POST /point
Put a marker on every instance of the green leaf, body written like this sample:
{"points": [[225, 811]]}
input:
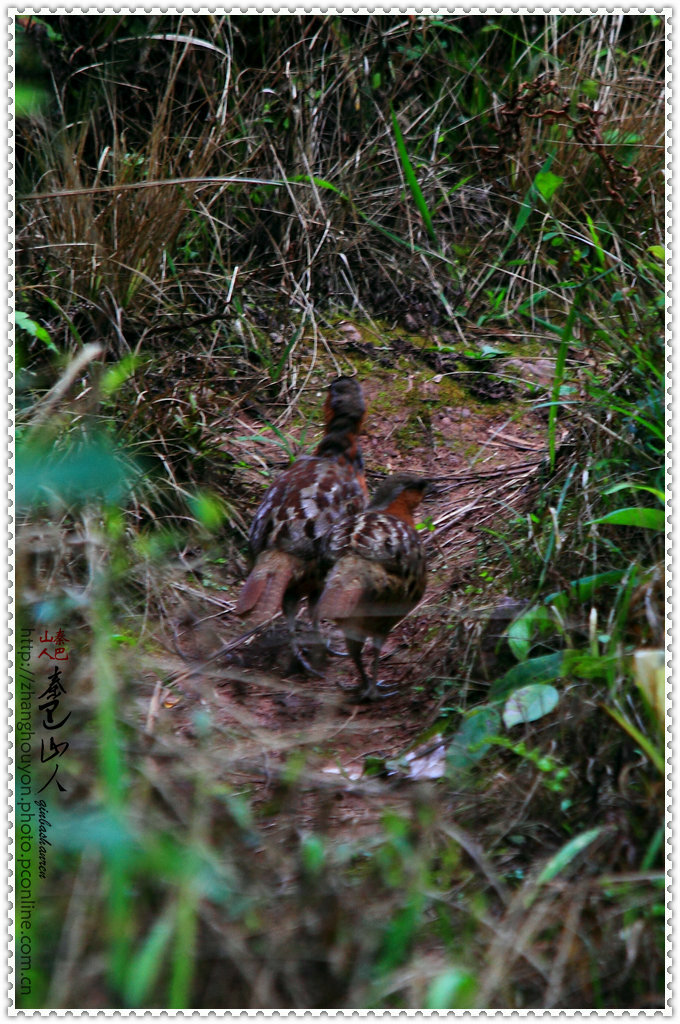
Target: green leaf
{"points": [[145, 967], [116, 375], [398, 936], [28, 99], [313, 854], [658, 252], [207, 509], [94, 469], [648, 518], [563, 858], [455, 989], [536, 670], [519, 635], [473, 738], [582, 590], [636, 487], [24, 321], [521, 632], [584, 665], [529, 704], [596, 240], [547, 183]]}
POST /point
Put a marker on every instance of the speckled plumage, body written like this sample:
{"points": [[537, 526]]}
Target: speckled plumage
{"points": [[378, 572], [302, 504]]}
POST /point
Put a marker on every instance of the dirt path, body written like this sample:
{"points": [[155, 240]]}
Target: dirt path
{"points": [[485, 460]]}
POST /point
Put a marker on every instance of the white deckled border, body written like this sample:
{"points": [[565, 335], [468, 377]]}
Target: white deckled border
{"points": [[7, 394], [6, 413]]}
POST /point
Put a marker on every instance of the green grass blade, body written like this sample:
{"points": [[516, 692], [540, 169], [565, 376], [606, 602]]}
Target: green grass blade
{"points": [[563, 858], [411, 179], [566, 338], [654, 754], [145, 967]]}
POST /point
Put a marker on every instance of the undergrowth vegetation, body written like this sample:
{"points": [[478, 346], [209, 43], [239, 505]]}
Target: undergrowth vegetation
{"points": [[215, 216]]}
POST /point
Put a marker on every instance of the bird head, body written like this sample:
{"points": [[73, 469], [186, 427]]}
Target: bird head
{"points": [[345, 400], [401, 490]]}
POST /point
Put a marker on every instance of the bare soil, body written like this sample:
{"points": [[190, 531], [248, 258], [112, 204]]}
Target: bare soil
{"points": [[486, 459]]}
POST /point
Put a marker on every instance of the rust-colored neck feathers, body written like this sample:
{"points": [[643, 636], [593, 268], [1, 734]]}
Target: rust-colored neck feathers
{"points": [[399, 495], [344, 413], [404, 505]]}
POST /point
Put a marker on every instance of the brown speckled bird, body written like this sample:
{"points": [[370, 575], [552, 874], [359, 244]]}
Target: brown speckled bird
{"points": [[302, 504], [379, 571]]}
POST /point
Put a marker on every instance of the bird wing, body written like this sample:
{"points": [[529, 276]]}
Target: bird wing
{"points": [[344, 590]]}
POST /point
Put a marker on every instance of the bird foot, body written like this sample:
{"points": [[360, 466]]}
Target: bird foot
{"points": [[368, 694], [305, 662], [336, 653]]}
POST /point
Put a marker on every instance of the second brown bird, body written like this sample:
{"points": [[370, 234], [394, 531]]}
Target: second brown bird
{"points": [[379, 572]]}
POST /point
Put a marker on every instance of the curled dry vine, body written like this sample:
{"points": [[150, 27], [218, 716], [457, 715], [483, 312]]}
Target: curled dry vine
{"points": [[586, 128]]}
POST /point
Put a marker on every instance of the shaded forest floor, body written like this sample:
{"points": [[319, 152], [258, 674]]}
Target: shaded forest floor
{"points": [[334, 816], [487, 456]]}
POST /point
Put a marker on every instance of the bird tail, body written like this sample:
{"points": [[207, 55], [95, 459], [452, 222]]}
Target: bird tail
{"points": [[262, 593]]}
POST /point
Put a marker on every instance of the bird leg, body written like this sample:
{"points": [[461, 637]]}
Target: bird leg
{"points": [[354, 649], [290, 611], [367, 690], [319, 639]]}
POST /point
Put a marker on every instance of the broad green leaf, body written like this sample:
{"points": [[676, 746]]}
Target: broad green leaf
{"points": [[583, 589], [455, 989], [648, 518], [29, 99], [521, 632], [547, 183], [536, 670], [399, 935], [658, 252], [584, 665], [563, 858], [529, 704], [100, 830], [313, 854], [519, 635], [472, 740], [94, 469]]}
